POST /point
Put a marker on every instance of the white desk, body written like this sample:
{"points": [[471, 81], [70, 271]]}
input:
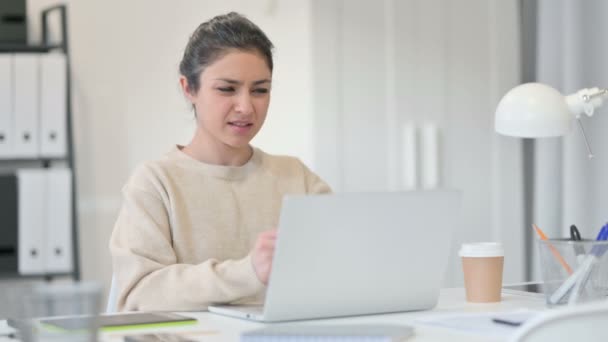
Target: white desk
{"points": [[450, 301]]}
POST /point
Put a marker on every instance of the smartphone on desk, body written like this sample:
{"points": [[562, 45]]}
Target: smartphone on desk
{"points": [[158, 337], [533, 289]]}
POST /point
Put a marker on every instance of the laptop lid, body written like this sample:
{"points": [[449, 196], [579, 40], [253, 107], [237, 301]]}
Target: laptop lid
{"points": [[360, 253]]}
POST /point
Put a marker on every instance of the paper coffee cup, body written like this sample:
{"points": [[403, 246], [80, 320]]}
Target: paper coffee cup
{"points": [[482, 264]]}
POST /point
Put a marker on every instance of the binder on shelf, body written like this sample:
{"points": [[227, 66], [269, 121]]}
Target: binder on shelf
{"points": [[6, 106], [26, 100], [53, 110], [58, 248], [31, 207], [9, 225]]}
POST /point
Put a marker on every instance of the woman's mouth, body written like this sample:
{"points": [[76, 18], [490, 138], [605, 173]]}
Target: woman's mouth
{"points": [[240, 127]]}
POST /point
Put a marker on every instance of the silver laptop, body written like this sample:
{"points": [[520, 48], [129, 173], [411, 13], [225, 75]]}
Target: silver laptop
{"points": [[356, 254]]}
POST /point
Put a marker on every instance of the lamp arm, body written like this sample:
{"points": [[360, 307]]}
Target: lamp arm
{"points": [[585, 101]]}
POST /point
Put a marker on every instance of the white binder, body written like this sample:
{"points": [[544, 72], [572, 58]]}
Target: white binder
{"points": [[53, 111], [6, 106], [31, 220], [26, 96], [58, 253]]}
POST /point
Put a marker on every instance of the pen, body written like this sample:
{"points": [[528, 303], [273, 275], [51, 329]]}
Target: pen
{"points": [[556, 254], [598, 250], [503, 321]]}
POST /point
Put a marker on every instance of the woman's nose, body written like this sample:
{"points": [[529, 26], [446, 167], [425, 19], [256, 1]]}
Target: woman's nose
{"points": [[244, 104]]}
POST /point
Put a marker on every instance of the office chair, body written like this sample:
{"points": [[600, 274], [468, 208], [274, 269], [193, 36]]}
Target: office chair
{"points": [[584, 322], [112, 297]]}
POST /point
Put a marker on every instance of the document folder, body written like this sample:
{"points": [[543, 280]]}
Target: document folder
{"points": [[6, 106], [58, 251], [31, 219], [53, 109], [26, 105]]}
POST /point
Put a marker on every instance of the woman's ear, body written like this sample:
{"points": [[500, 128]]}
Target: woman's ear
{"points": [[183, 82]]}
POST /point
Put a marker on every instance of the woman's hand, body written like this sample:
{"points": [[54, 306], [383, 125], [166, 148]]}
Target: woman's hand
{"points": [[262, 254]]}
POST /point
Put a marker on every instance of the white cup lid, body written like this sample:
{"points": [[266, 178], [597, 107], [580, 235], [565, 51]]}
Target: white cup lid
{"points": [[481, 250]]}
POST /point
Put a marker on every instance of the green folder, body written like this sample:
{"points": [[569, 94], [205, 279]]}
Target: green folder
{"points": [[115, 322]]}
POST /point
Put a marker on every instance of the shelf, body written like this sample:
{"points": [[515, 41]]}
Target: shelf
{"points": [[20, 48], [9, 164], [42, 160], [16, 276]]}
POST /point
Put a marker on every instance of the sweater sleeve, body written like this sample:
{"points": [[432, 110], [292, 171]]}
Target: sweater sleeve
{"points": [[314, 183], [146, 271]]}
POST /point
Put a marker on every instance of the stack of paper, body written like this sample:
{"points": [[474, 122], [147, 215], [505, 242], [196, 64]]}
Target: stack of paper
{"points": [[483, 324]]}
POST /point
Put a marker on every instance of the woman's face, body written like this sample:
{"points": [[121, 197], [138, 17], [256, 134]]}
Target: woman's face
{"points": [[233, 98]]}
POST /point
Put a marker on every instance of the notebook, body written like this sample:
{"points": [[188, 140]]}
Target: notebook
{"points": [[327, 333], [115, 321]]}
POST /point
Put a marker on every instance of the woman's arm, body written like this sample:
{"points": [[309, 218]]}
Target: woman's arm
{"points": [[146, 270]]}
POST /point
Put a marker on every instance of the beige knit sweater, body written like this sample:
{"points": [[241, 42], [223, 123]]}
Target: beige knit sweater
{"points": [[185, 230]]}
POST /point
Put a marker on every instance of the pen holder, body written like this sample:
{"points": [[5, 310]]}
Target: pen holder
{"points": [[574, 271]]}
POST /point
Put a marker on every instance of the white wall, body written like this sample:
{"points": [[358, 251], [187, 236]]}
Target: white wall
{"points": [[127, 105], [423, 61]]}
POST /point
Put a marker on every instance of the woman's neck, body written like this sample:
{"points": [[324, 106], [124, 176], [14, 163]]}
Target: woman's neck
{"points": [[212, 151]]}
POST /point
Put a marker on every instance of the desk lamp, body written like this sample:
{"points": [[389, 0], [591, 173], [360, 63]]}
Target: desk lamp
{"points": [[535, 110]]}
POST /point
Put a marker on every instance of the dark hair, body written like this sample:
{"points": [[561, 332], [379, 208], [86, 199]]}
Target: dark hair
{"points": [[212, 39]]}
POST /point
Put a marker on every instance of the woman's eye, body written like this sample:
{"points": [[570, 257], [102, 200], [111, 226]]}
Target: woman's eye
{"points": [[260, 91], [226, 89]]}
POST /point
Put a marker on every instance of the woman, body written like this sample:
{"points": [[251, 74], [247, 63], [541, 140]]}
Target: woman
{"points": [[197, 226]]}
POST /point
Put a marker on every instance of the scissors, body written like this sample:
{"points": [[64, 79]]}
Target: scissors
{"points": [[575, 235]]}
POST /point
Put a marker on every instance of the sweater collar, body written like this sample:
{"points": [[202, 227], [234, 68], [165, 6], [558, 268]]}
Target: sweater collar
{"points": [[220, 171]]}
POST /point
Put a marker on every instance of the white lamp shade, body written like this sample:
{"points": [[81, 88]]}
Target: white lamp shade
{"points": [[533, 110]]}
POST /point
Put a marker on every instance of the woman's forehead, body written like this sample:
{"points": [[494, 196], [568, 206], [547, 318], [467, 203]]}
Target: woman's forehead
{"points": [[238, 65]]}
